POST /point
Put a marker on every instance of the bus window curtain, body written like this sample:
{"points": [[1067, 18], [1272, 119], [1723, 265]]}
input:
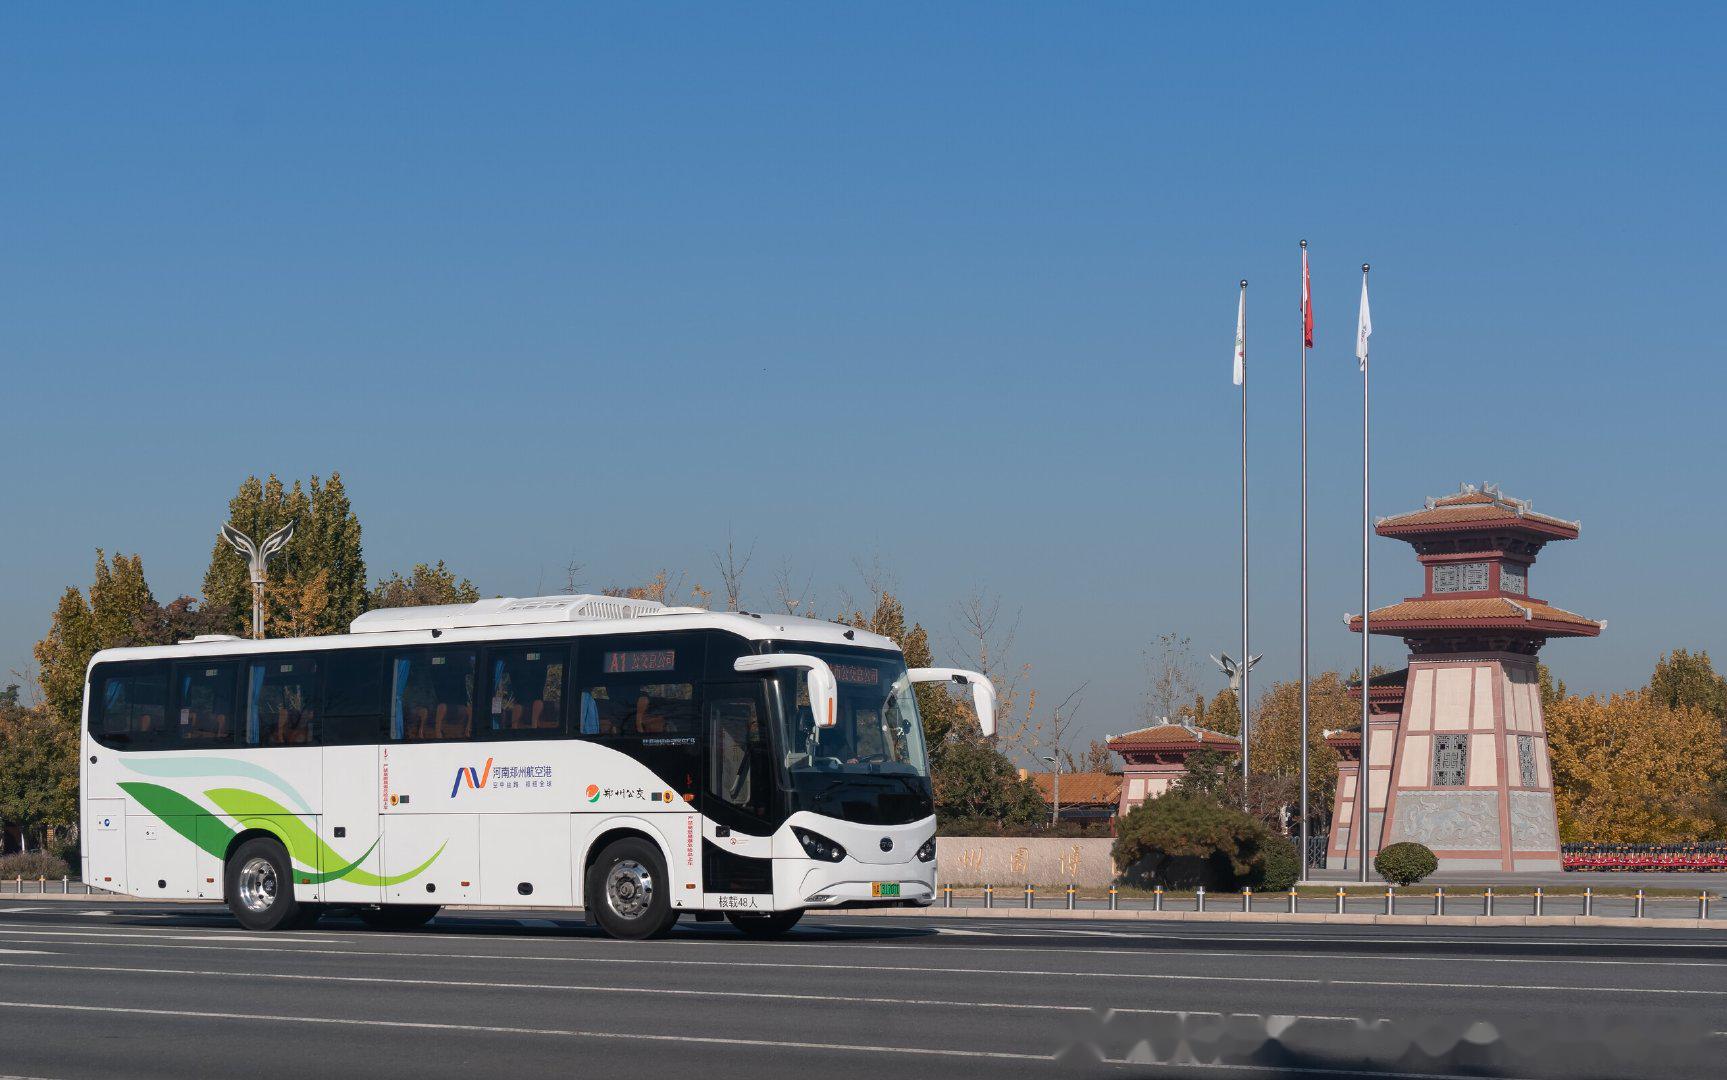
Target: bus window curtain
{"points": [[255, 684], [398, 688]]}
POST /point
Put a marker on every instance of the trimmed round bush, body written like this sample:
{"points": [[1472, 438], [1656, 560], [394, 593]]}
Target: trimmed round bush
{"points": [[1279, 866], [1405, 863]]}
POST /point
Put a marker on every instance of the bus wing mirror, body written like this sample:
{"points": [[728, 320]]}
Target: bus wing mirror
{"points": [[824, 690], [982, 691]]}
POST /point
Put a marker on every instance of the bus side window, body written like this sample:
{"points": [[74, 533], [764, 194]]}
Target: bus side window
{"points": [[527, 691], [204, 703], [282, 696], [354, 698], [432, 695], [130, 708]]}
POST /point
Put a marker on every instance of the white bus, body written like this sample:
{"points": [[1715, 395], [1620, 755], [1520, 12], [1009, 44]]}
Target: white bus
{"points": [[631, 759]]}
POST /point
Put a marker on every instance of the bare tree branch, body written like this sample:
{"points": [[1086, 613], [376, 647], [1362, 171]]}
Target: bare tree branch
{"points": [[731, 570]]}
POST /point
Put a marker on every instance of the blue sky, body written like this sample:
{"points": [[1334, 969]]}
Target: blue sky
{"points": [[949, 285]]}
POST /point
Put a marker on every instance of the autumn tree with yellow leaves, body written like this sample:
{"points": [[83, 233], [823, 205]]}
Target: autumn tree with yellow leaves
{"points": [[1630, 769]]}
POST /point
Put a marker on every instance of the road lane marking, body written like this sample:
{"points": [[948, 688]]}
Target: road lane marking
{"points": [[1108, 1010], [26, 952], [569, 1033], [106, 934], [910, 969]]}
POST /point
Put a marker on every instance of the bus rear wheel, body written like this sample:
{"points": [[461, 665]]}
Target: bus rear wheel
{"points": [[259, 884], [398, 916], [629, 891], [765, 926]]}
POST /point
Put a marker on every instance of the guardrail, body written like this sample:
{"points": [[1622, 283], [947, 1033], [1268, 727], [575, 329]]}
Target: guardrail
{"points": [[1454, 900]]}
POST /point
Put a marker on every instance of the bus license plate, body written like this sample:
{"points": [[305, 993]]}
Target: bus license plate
{"points": [[884, 888]]}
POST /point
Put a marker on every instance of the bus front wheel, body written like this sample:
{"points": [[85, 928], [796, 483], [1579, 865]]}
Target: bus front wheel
{"points": [[629, 891], [259, 883], [765, 926]]}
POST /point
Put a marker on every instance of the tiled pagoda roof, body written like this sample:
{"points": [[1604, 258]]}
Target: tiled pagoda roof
{"points": [[1080, 788], [1473, 508], [1172, 736], [1480, 612]]}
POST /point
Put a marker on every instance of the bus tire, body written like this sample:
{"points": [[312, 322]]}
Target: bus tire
{"points": [[765, 926], [398, 916], [629, 891], [259, 884]]}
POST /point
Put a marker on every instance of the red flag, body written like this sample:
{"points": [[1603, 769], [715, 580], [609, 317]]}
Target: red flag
{"points": [[1306, 301]]}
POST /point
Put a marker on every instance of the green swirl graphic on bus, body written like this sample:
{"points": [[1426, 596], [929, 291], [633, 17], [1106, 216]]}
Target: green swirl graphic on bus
{"points": [[315, 861]]}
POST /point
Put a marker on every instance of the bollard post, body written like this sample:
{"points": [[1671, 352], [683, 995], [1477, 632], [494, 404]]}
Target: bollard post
{"points": [[1489, 904], [1070, 904], [1114, 899], [1030, 897], [1390, 901], [41, 883], [1199, 898], [1157, 898], [65, 884], [1540, 908], [1247, 898], [1703, 904], [1439, 899], [1292, 899], [1588, 900], [989, 896], [1639, 903], [1340, 899], [947, 896]]}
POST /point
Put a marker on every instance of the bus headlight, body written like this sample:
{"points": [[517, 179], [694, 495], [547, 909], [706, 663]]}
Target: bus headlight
{"points": [[927, 852], [817, 846]]}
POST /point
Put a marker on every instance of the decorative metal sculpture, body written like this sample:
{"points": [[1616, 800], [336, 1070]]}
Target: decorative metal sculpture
{"points": [[257, 555]]}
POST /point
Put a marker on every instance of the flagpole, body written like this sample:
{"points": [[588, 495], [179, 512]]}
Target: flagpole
{"points": [[1246, 655], [1306, 300], [1363, 809]]}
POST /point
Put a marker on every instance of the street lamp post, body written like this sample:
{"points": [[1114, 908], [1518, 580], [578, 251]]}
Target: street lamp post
{"points": [[257, 555], [1055, 812], [1237, 674]]}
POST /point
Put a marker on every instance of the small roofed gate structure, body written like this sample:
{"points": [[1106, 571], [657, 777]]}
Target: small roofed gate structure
{"points": [[1461, 763], [1154, 758]]}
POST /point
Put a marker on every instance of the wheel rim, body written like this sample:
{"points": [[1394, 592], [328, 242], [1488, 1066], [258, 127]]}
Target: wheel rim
{"points": [[629, 889], [258, 885]]}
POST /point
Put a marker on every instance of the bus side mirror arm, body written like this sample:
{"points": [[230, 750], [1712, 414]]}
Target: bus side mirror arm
{"points": [[824, 689], [982, 691]]}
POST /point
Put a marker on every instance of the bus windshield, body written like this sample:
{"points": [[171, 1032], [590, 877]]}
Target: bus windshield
{"points": [[877, 730]]}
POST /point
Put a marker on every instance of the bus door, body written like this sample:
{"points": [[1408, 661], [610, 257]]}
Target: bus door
{"points": [[356, 775]]}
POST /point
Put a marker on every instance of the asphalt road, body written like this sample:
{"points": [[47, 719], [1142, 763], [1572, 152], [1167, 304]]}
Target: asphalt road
{"points": [[178, 991]]}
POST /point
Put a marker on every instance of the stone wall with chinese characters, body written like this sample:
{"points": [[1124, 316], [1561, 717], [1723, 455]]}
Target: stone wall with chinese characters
{"points": [[1021, 861]]}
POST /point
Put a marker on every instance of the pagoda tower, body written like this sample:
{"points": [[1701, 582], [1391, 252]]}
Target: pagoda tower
{"points": [[1466, 771]]}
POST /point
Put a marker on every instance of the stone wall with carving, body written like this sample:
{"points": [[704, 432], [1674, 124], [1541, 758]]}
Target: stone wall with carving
{"points": [[1021, 861], [1533, 825], [1448, 820]]}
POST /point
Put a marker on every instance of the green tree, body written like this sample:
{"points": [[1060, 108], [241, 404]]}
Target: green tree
{"points": [[38, 772], [1684, 678], [424, 585], [326, 542], [1184, 838], [976, 781]]}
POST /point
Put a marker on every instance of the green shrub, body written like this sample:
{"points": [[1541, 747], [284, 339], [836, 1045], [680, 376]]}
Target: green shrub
{"points": [[1185, 839], [1280, 865], [33, 865], [1405, 863]]}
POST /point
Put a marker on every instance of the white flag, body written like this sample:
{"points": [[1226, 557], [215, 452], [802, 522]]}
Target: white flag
{"points": [[1241, 340], [1365, 329]]}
